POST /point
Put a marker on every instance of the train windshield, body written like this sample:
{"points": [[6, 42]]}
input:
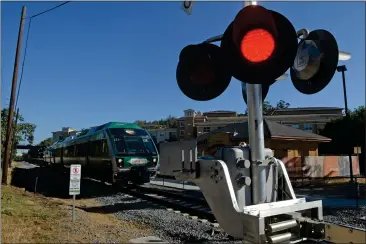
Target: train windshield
{"points": [[132, 141]]}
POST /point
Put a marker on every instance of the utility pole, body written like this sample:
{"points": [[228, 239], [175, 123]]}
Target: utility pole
{"points": [[13, 137], [12, 100]]}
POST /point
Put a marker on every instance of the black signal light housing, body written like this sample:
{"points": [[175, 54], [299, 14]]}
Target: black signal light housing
{"points": [[202, 72], [265, 32]]}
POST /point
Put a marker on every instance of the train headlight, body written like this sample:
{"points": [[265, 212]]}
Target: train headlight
{"points": [[120, 162], [154, 160]]}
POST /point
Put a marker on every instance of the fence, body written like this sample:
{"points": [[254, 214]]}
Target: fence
{"points": [[320, 169]]}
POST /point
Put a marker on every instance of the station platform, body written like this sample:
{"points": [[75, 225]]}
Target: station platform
{"points": [[334, 202]]}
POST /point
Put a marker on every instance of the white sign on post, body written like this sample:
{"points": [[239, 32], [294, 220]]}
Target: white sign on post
{"points": [[187, 6], [75, 177]]}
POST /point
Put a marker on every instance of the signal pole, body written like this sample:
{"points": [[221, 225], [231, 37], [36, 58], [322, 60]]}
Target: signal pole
{"points": [[12, 100], [256, 136]]}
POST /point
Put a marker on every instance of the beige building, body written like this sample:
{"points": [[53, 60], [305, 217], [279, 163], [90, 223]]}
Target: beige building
{"points": [[62, 134], [163, 134], [309, 119]]}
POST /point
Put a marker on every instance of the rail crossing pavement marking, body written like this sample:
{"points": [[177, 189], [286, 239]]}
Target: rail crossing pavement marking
{"points": [[74, 186]]}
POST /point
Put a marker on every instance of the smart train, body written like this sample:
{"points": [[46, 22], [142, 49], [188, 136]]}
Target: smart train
{"points": [[115, 152]]}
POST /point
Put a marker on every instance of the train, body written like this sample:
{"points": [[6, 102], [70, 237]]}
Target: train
{"points": [[116, 152]]}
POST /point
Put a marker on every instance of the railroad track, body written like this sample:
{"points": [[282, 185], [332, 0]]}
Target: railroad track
{"points": [[197, 208]]}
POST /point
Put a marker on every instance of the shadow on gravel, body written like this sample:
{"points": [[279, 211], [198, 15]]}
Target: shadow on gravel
{"points": [[110, 209], [55, 183]]}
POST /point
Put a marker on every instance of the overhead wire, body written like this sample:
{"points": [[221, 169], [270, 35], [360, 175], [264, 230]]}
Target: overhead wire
{"points": [[26, 45], [48, 10]]}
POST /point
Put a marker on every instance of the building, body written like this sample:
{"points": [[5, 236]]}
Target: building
{"points": [[163, 134], [310, 119], [62, 134], [285, 141]]}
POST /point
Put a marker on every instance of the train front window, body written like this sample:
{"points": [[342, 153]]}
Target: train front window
{"points": [[135, 141], [149, 145], [134, 144]]}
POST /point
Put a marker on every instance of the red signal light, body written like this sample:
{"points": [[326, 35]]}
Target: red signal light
{"points": [[257, 45], [260, 45]]}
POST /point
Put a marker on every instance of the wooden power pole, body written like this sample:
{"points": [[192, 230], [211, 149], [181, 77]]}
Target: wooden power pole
{"points": [[13, 144], [12, 101]]}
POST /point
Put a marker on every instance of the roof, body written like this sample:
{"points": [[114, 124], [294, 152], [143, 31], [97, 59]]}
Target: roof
{"points": [[219, 112], [94, 129], [272, 130], [309, 108]]}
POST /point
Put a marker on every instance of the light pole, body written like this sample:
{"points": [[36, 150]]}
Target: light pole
{"points": [[343, 69]]}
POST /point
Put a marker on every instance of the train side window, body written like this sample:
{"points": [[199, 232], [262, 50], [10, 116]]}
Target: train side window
{"points": [[96, 148], [58, 152], [81, 149], [105, 150], [71, 151]]}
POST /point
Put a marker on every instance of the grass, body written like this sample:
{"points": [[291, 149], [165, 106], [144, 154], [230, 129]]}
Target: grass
{"points": [[33, 218]]}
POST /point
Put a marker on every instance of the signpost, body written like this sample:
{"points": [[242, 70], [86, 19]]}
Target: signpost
{"points": [[74, 187]]}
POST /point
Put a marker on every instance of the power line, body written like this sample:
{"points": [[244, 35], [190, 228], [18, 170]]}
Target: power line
{"points": [[26, 45], [48, 10]]}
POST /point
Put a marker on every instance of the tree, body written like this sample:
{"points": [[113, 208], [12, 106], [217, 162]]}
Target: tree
{"points": [[23, 131], [46, 142], [282, 105], [268, 109], [345, 134], [170, 122]]}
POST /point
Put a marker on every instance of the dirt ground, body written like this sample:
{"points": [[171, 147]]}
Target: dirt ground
{"points": [[33, 218]]}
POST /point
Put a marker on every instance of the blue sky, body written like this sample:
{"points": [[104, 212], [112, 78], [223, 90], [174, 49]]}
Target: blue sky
{"points": [[89, 63]]}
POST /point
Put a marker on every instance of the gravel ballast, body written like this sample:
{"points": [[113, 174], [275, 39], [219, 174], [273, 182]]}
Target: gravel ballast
{"points": [[346, 216], [174, 227], [168, 225]]}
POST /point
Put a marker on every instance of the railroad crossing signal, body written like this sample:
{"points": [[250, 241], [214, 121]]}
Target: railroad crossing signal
{"points": [[260, 45], [315, 63], [202, 72], [257, 47]]}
